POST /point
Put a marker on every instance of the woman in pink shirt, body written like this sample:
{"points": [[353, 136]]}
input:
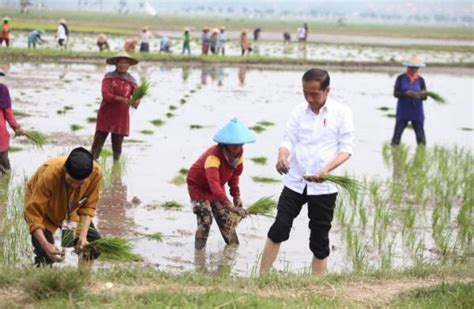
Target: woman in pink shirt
{"points": [[6, 115]]}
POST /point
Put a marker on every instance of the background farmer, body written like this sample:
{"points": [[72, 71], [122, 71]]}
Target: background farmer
{"points": [[6, 115], [113, 115], [219, 165], [318, 138], [410, 89], [62, 190]]}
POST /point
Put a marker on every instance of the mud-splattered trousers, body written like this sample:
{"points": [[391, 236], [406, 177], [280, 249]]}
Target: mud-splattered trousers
{"points": [[204, 211]]}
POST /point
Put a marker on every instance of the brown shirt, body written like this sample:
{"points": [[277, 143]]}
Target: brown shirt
{"points": [[47, 196]]}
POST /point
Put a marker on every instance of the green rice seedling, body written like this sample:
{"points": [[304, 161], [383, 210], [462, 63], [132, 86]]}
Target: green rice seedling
{"points": [[169, 115], [467, 129], [383, 108], [68, 108], [265, 179], [350, 185], [20, 115], [158, 237], [179, 180], [195, 126], [263, 206], [386, 262], [172, 108], [106, 153], [141, 91], [91, 119], [409, 216], [363, 216], [15, 149], [44, 283], [171, 205], [76, 127], [147, 132], [436, 97], [258, 128], [157, 122], [390, 115], [340, 212], [134, 141], [36, 137], [182, 101], [183, 171], [265, 123], [114, 249], [259, 160]]}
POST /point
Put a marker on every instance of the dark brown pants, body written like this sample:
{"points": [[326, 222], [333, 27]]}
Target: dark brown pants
{"points": [[99, 140], [4, 162]]}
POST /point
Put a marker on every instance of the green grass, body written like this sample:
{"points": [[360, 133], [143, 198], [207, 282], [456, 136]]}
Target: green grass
{"points": [[259, 160], [458, 295]]}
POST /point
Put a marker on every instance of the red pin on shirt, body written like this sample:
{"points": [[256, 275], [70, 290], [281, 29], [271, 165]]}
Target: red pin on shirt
{"points": [[325, 122]]}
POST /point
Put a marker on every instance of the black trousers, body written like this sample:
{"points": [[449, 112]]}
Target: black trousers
{"points": [[320, 214], [99, 141], [41, 258], [418, 126]]}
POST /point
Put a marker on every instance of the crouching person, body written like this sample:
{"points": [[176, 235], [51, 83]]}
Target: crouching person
{"points": [[219, 165], [63, 193]]}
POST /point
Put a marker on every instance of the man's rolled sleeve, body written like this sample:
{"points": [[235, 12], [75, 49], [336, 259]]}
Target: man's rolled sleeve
{"points": [[346, 133]]}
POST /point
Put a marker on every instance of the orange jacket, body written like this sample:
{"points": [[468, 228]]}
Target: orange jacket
{"points": [[47, 196], [5, 34]]}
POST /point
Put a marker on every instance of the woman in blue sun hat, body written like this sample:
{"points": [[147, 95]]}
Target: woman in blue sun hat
{"points": [[219, 165], [410, 89]]}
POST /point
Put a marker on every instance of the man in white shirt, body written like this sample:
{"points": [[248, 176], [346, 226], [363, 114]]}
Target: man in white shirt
{"points": [[62, 33], [318, 138]]}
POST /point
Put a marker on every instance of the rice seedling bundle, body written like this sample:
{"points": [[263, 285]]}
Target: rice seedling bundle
{"points": [[262, 206], [436, 97], [114, 249], [141, 91], [350, 185], [155, 236], [36, 137]]}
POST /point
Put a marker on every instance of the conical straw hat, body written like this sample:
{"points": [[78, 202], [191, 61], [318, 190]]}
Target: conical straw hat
{"points": [[414, 62], [122, 54]]}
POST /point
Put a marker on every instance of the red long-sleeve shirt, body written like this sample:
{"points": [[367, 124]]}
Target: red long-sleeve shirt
{"points": [[209, 174]]}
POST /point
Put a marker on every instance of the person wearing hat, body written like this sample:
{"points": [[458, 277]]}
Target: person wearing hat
{"points": [[219, 165], [145, 37], [113, 115], [221, 41], [5, 33], [213, 40], [245, 43], [318, 138], [62, 33], [64, 191], [102, 42], [205, 41], [410, 90], [186, 42], [34, 37], [6, 115]]}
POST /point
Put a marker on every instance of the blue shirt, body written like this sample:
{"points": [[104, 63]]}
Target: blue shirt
{"points": [[409, 108]]}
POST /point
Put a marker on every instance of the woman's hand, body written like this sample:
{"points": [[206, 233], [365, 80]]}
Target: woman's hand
{"points": [[19, 131]]}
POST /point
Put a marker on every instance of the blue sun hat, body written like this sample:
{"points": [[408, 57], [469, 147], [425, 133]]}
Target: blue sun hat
{"points": [[234, 133], [414, 62]]}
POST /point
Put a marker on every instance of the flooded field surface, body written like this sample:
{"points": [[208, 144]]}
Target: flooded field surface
{"points": [[323, 51], [175, 124]]}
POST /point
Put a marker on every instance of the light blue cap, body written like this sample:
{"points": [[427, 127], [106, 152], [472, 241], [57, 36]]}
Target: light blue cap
{"points": [[234, 133]]}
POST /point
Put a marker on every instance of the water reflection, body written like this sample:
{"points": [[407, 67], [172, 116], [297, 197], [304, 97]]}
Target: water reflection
{"points": [[242, 73], [185, 73], [220, 263], [113, 205]]}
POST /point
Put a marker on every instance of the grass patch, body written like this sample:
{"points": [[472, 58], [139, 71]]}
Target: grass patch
{"points": [[157, 122], [458, 295], [259, 160], [43, 283], [155, 236], [76, 127], [147, 132], [265, 179], [171, 205]]}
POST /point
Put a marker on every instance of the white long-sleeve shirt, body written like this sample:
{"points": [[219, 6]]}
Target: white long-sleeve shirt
{"points": [[61, 33], [314, 141]]}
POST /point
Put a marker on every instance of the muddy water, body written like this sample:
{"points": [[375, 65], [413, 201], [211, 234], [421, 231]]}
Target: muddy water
{"points": [[213, 95], [323, 50]]}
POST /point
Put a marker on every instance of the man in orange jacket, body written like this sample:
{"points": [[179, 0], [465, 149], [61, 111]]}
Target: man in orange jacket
{"points": [[63, 191]]}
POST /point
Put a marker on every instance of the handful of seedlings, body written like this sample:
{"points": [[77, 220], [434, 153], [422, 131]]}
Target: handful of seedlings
{"points": [[350, 185], [436, 97], [114, 249], [141, 91], [36, 137]]}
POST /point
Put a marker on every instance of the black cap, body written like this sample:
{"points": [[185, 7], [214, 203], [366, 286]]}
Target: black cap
{"points": [[79, 164]]}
